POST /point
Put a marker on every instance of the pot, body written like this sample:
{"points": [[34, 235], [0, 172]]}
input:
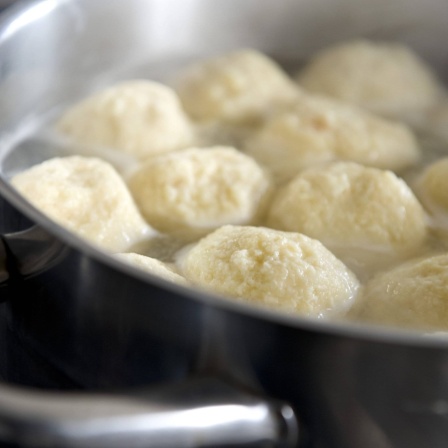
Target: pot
{"points": [[231, 374]]}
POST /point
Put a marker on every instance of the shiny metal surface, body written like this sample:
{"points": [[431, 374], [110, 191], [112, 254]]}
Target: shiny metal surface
{"points": [[108, 327], [6, 3], [200, 413], [4, 274]]}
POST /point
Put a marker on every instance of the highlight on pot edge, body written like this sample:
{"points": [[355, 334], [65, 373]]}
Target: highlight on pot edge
{"points": [[320, 193]]}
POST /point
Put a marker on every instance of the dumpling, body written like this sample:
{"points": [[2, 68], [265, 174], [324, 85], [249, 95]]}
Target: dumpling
{"points": [[238, 87], [141, 118], [349, 206], [386, 78], [85, 195], [200, 189], [281, 270], [432, 186], [316, 130], [413, 295]]}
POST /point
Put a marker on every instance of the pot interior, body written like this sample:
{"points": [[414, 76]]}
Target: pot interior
{"points": [[54, 52]]}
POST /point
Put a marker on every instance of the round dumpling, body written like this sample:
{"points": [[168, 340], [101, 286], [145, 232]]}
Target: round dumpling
{"points": [[413, 295], [141, 118], [433, 186], [200, 189], [153, 266], [85, 195], [282, 270], [237, 87], [345, 205], [386, 78], [317, 129]]}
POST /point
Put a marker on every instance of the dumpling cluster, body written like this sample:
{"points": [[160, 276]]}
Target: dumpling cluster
{"points": [[280, 192]]}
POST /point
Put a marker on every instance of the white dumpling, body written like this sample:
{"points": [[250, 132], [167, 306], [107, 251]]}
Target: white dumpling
{"points": [[200, 189], [85, 195], [317, 129], [237, 87], [347, 205], [413, 295], [386, 78], [281, 270], [141, 118], [432, 186]]}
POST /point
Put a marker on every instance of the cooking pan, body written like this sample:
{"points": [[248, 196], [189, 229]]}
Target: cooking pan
{"points": [[151, 363]]}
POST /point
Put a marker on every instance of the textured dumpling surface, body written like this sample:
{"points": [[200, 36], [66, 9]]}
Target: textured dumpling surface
{"points": [[152, 265], [433, 186], [87, 196], [141, 118], [235, 87], [317, 129], [413, 295], [282, 270], [200, 189], [345, 204], [386, 78]]}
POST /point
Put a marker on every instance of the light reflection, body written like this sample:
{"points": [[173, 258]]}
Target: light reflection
{"points": [[32, 14], [214, 418]]}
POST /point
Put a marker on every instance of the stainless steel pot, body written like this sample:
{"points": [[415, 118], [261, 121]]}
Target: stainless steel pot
{"points": [[112, 329]]}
